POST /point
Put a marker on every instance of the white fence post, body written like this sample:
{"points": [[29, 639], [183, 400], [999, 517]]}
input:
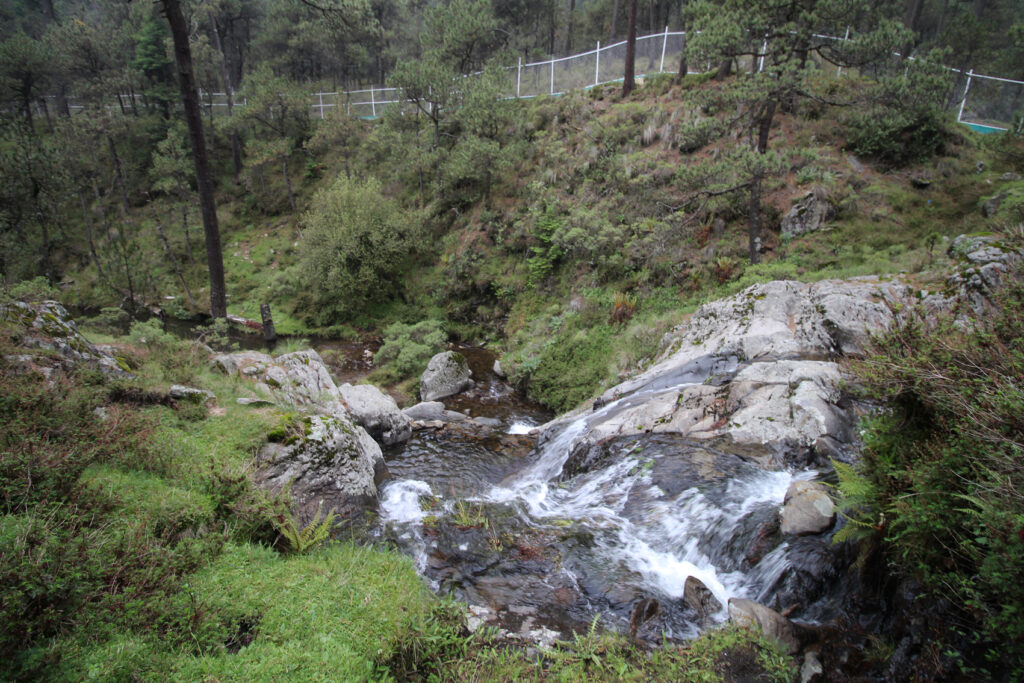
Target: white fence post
{"points": [[664, 44], [321, 96], [764, 53], [552, 76], [373, 104], [519, 76], [960, 114], [839, 71], [597, 64]]}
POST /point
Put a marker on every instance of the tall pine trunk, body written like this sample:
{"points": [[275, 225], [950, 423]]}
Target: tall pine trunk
{"points": [[204, 178], [628, 80]]}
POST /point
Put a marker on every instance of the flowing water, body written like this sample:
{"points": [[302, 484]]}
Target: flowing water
{"points": [[497, 523]]}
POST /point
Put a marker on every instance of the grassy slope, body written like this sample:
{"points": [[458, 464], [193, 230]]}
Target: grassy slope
{"points": [[602, 179]]}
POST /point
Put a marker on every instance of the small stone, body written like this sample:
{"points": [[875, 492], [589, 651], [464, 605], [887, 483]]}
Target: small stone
{"points": [[979, 167], [1009, 177]]}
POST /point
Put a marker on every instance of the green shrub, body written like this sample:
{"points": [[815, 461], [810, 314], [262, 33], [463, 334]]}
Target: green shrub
{"points": [[36, 289], [940, 479], [355, 244], [571, 368], [407, 349]]}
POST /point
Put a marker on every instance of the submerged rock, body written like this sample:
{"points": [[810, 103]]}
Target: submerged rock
{"points": [[430, 411], [446, 374]]}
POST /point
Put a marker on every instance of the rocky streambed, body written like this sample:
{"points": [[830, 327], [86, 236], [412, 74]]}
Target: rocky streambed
{"points": [[695, 492]]}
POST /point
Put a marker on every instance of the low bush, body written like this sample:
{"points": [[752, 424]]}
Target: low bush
{"points": [[940, 484], [407, 349]]}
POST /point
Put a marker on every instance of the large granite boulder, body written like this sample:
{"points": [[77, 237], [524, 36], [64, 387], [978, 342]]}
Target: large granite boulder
{"points": [[447, 374], [376, 412], [759, 369], [334, 465]]}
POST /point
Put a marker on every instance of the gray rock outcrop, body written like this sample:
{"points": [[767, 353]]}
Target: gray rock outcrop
{"points": [[772, 624], [376, 412], [808, 214], [807, 509], [447, 374], [429, 411], [983, 262], [759, 368], [48, 326], [335, 465], [336, 462]]}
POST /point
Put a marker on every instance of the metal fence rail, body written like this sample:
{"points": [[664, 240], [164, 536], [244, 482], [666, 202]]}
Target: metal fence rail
{"points": [[988, 103]]}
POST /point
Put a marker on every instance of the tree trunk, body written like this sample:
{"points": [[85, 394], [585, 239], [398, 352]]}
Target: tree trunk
{"points": [[764, 124], [683, 66], [204, 179], [615, 21], [288, 182], [118, 175], [568, 30], [627, 82], [174, 263], [88, 233], [724, 69], [184, 227]]}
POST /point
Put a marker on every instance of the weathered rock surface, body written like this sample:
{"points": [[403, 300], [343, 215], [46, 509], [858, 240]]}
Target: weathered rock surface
{"points": [[376, 412], [337, 462], [249, 363], [335, 465], [446, 374], [758, 369], [183, 393], [807, 509], [430, 411], [808, 215], [47, 326], [773, 624], [984, 260]]}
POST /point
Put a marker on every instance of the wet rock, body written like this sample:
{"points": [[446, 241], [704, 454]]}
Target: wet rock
{"points": [[807, 509], [642, 614], [811, 668], [183, 393], [808, 214], [496, 369], [47, 325], [334, 465], [757, 369], [700, 598], [761, 541], [377, 413], [446, 374], [749, 613], [431, 411]]}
